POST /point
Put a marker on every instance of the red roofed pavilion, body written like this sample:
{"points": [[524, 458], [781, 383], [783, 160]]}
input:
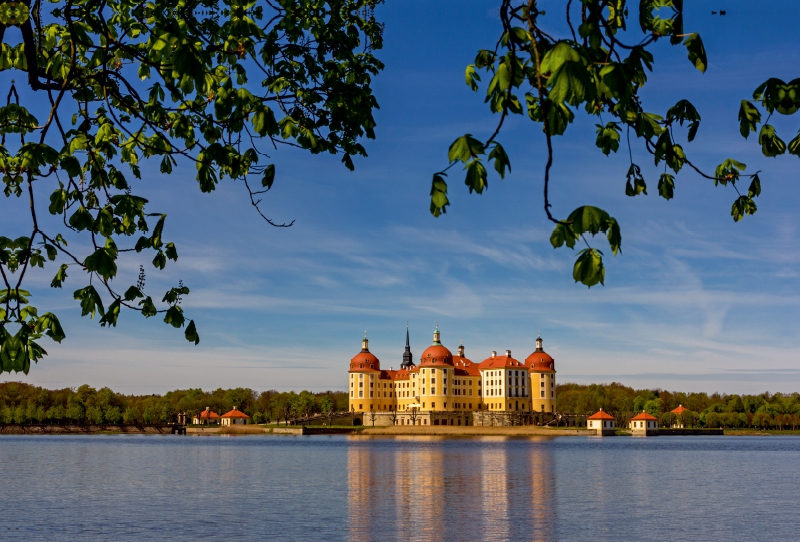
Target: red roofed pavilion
{"points": [[644, 424], [603, 422], [234, 417]]}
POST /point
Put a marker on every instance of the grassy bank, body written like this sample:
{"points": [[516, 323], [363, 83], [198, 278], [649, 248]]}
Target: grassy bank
{"points": [[761, 432]]}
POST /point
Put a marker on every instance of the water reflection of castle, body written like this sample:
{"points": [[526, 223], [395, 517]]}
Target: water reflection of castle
{"points": [[433, 488], [452, 390]]}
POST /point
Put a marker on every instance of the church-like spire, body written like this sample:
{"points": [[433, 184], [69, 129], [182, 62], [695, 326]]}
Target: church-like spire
{"points": [[539, 343], [437, 337], [365, 343], [407, 357]]}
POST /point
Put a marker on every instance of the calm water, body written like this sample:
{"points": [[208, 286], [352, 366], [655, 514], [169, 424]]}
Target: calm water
{"points": [[356, 488]]}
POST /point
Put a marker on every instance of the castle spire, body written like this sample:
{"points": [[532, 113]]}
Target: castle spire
{"points": [[437, 336], [365, 343], [407, 357]]}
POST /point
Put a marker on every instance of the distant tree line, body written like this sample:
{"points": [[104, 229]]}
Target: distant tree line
{"points": [[763, 411], [22, 403]]}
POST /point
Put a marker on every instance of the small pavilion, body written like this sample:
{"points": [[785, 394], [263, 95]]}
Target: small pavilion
{"points": [[603, 423], [206, 417], [234, 417], [678, 411], [644, 425]]}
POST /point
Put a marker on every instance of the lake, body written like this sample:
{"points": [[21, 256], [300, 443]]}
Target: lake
{"points": [[135, 487]]}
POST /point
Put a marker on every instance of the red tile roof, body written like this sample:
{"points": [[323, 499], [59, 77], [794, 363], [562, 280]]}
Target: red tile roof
{"points": [[644, 416], [209, 414], [365, 361], [235, 413], [501, 362], [540, 362], [436, 354], [679, 410], [401, 374], [465, 367], [600, 415]]}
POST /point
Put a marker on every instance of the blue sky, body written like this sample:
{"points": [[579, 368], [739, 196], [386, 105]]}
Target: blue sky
{"points": [[695, 301]]}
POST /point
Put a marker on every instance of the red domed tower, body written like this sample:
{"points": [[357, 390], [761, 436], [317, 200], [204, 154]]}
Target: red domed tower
{"points": [[365, 373], [542, 370], [435, 377]]}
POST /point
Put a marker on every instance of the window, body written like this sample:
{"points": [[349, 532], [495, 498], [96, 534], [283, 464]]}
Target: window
{"points": [[470, 405], [360, 393], [552, 394], [370, 384], [360, 407], [351, 393], [371, 394], [433, 405], [542, 395], [542, 383]]}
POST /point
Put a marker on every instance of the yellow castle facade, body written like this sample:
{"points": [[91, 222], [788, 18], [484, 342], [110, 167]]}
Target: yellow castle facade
{"points": [[450, 389]]}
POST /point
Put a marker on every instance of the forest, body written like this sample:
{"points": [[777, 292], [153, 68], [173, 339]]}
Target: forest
{"points": [[23, 403], [730, 411]]}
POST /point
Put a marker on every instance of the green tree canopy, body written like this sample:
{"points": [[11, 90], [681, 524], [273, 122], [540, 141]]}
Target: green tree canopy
{"points": [[598, 66], [220, 84]]}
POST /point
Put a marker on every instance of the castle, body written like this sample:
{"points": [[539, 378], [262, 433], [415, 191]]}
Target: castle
{"points": [[452, 390]]}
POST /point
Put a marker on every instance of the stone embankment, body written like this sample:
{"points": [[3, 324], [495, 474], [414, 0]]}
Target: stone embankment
{"points": [[474, 430]]}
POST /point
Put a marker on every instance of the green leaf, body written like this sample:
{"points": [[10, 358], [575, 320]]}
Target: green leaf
{"points": [[476, 177], [794, 145], [147, 306], [749, 117], [775, 95], [81, 219], [112, 314], [614, 236], [563, 234], [666, 186], [728, 172], [90, 301], [103, 261], [61, 276], [685, 111], [569, 80], [608, 137], [58, 201], [160, 260], [744, 205], [133, 293], [191, 333], [771, 144], [635, 184], [49, 325], [472, 77], [269, 176], [465, 148], [755, 187], [439, 201], [697, 53], [589, 268], [501, 161], [174, 316], [171, 251]]}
